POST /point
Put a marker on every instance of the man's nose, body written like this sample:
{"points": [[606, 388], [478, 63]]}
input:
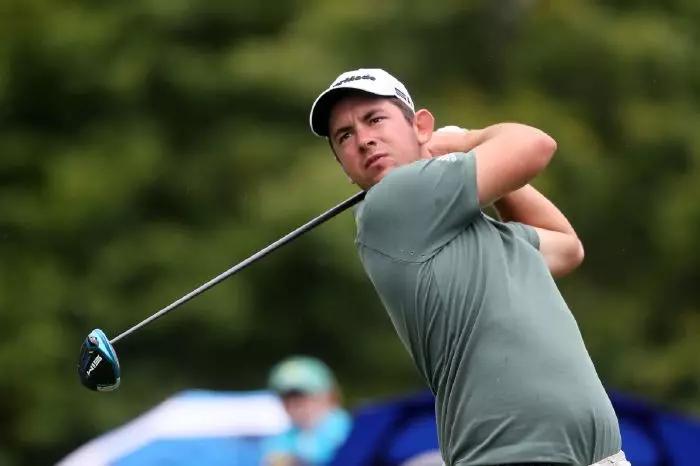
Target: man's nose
{"points": [[366, 139]]}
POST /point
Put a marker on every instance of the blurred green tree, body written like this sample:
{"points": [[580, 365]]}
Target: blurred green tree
{"points": [[147, 146]]}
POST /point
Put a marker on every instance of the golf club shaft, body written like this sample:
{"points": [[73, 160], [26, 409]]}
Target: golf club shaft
{"points": [[240, 266]]}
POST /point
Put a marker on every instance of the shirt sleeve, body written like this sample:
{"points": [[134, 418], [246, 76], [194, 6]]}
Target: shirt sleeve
{"points": [[418, 208], [525, 232]]}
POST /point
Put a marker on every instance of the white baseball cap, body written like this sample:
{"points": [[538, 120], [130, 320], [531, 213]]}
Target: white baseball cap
{"points": [[371, 80]]}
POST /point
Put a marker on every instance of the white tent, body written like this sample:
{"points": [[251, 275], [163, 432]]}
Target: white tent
{"points": [[191, 423]]}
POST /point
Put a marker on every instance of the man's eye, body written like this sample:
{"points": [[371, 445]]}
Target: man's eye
{"points": [[376, 119], [343, 137]]}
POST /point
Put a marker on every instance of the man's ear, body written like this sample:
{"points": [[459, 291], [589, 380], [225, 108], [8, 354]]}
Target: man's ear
{"points": [[424, 124]]}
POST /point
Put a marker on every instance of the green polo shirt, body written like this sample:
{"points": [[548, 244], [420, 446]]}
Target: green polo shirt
{"points": [[476, 307]]}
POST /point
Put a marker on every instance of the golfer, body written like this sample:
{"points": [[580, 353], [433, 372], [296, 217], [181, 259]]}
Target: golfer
{"points": [[472, 298]]}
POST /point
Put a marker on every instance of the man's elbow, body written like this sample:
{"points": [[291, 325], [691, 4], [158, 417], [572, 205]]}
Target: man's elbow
{"points": [[577, 254], [542, 149], [570, 259], [537, 151]]}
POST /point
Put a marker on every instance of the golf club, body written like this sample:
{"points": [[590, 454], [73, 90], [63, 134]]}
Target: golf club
{"points": [[98, 365]]}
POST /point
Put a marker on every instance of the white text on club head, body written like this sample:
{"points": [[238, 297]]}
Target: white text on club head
{"points": [[94, 364]]}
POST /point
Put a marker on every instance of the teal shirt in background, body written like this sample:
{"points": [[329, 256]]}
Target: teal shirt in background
{"points": [[313, 447], [476, 306]]}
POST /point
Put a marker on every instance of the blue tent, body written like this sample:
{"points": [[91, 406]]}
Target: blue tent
{"points": [[396, 432]]}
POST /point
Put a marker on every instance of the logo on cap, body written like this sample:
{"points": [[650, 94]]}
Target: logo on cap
{"points": [[399, 93], [354, 78]]}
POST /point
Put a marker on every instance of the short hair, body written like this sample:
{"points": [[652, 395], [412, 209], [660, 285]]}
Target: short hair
{"points": [[407, 111]]}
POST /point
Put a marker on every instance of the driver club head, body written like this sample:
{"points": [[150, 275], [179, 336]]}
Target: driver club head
{"points": [[98, 366]]}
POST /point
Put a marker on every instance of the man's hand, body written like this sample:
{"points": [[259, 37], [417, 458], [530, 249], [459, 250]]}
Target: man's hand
{"points": [[447, 140]]}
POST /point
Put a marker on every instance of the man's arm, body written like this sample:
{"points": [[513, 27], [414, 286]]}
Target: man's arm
{"points": [[508, 156], [559, 244]]}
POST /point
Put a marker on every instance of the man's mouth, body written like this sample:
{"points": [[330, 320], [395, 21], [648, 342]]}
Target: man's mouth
{"points": [[373, 158]]}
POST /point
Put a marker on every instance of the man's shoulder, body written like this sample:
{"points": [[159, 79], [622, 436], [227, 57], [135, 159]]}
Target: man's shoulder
{"points": [[405, 178], [418, 167], [417, 208], [413, 183]]}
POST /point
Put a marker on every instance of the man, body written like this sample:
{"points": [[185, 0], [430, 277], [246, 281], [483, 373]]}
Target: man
{"points": [[473, 299], [309, 394]]}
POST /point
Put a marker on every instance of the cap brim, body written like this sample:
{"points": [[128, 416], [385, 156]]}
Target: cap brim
{"points": [[321, 109]]}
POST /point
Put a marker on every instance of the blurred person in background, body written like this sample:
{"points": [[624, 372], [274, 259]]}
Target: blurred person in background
{"points": [[311, 398]]}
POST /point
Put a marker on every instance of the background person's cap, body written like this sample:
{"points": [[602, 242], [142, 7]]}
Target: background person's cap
{"points": [[301, 374], [372, 80]]}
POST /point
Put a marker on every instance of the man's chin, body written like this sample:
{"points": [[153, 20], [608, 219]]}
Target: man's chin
{"points": [[379, 176]]}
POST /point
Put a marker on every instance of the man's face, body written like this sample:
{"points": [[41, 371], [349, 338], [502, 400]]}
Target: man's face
{"points": [[371, 136]]}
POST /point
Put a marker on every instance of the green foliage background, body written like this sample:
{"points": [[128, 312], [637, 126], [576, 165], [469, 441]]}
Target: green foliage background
{"points": [[147, 146]]}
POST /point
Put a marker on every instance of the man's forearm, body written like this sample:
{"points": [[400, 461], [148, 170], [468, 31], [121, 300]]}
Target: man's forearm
{"points": [[527, 205], [462, 140], [558, 243]]}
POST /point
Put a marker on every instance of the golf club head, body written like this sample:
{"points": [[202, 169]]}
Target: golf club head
{"points": [[98, 366]]}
